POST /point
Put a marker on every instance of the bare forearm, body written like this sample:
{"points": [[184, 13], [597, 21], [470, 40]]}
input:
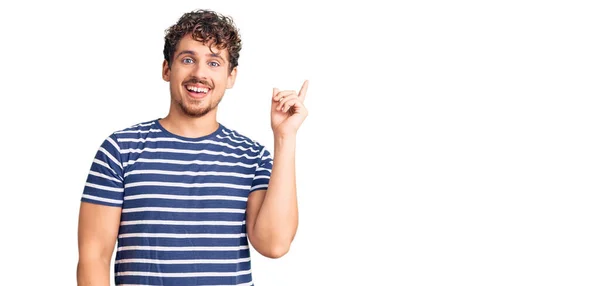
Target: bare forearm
{"points": [[93, 273], [277, 220]]}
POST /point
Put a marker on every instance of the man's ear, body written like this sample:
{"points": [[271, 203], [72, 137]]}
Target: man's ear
{"points": [[166, 71], [231, 78]]}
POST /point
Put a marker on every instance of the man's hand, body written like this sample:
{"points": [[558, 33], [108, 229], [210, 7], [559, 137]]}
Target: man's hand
{"points": [[288, 111]]}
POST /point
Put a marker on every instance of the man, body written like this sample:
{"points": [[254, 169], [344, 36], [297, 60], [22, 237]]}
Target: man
{"points": [[183, 195]]}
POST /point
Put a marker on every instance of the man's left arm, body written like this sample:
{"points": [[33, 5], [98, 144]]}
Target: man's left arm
{"points": [[272, 214]]}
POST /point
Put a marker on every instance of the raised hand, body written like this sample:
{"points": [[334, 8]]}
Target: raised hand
{"points": [[288, 110]]}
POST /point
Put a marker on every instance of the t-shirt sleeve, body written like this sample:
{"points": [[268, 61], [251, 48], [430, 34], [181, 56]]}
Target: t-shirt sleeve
{"points": [[104, 184], [262, 175]]}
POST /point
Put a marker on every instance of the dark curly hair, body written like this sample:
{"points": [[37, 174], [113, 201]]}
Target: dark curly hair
{"points": [[205, 26]]}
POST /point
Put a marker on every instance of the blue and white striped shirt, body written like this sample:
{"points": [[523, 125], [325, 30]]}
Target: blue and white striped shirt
{"points": [[183, 203]]}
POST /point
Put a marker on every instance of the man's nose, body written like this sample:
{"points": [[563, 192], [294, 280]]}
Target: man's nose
{"points": [[200, 70]]}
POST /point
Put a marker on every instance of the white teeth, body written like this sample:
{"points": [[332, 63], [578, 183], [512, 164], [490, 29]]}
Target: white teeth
{"points": [[197, 89]]}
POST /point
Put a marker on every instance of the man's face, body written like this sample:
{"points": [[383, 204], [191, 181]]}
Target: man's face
{"points": [[198, 77]]}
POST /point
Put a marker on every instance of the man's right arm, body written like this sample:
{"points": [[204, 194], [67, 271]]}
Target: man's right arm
{"points": [[97, 235]]}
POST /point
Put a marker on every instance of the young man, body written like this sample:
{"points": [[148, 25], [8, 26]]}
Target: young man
{"points": [[184, 195]]}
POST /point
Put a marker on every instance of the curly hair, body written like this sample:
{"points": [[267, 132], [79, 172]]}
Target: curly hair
{"points": [[205, 26]]}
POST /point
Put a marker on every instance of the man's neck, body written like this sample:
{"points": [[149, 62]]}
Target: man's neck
{"points": [[191, 127]]}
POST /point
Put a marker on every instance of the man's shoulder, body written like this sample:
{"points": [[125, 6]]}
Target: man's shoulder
{"points": [[143, 127], [233, 136]]}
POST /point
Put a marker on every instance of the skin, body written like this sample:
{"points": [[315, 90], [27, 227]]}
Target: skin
{"points": [[271, 215]]}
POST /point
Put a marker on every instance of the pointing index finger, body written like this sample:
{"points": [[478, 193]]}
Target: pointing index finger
{"points": [[303, 89]]}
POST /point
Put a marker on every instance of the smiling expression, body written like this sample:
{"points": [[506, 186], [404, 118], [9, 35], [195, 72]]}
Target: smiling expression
{"points": [[198, 77]]}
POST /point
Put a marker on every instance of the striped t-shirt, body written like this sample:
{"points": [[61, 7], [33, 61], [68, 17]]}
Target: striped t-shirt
{"points": [[183, 203]]}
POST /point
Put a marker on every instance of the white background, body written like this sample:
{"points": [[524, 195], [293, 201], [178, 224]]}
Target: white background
{"points": [[448, 142]]}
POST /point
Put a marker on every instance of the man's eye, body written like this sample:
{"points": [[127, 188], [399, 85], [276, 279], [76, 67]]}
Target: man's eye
{"points": [[188, 61], [214, 64]]}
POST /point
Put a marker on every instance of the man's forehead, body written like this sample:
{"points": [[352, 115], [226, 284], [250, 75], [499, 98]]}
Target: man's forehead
{"points": [[188, 43]]}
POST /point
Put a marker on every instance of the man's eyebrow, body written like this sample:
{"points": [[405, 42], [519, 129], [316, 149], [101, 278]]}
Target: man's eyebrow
{"points": [[214, 55], [186, 52]]}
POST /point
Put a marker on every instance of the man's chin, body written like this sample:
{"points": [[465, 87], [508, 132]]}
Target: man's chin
{"points": [[194, 111]]}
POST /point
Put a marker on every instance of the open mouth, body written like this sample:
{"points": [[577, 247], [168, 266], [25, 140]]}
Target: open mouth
{"points": [[197, 91]]}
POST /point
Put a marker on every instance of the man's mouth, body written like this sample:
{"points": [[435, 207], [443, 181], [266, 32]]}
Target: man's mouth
{"points": [[197, 91]]}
